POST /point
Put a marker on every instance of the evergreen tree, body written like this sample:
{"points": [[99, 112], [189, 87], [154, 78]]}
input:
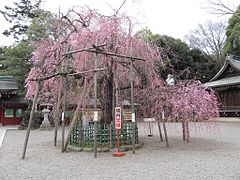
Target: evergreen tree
{"points": [[178, 59], [19, 15], [16, 62], [15, 58], [232, 45]]}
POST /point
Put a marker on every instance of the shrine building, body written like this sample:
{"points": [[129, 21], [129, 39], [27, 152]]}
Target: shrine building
{"points": [[226, 84], [11, 104]]}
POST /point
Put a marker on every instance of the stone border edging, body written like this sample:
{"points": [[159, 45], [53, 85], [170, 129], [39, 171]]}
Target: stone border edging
{"points": [[2, 135]]}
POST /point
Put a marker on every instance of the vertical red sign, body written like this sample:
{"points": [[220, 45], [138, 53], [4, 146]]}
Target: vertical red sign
{"points": [[118, 118]]}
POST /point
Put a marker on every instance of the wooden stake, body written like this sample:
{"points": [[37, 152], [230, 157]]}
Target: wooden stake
{"points": [[95, 105], [56, 114], [187, 131], [31, 118], [74, 120], [183, 129], [133, 111], [160, 132], [165, 129], [63, 113]]}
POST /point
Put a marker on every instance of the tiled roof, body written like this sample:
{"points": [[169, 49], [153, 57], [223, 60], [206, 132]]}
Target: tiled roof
{"points": [[233, 61], [223, 82], [7, 83]]}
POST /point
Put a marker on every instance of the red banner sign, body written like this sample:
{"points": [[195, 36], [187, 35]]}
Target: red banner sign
{"points": [[118, 118]]}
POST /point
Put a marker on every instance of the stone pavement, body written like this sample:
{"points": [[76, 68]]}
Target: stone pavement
{"points": [[3, 130]]}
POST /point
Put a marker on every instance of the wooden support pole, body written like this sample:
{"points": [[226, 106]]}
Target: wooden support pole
{"points": [[104, 53], [187, 131], [85, 49], [116, 55], [183, 129], [132, 110], [65, 74], [160, 132], [57, 114], [31, 118], [57, 110], [95, 105], [74, 120], [63, 112], [165, 129]]}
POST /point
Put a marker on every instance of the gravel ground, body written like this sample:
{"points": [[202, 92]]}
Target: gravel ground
{"points": [[213, 154]]}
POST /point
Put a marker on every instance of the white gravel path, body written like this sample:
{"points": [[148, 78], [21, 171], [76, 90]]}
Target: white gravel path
{"points": [[214, 156]]}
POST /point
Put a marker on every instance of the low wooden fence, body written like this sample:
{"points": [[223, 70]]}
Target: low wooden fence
{"points": [[106, 135]]}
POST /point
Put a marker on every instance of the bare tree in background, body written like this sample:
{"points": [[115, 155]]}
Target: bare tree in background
{"points": [[219, 7], [209, 37]]}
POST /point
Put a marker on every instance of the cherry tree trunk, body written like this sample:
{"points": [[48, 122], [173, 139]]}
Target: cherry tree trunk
{"points": [[107, 99]]}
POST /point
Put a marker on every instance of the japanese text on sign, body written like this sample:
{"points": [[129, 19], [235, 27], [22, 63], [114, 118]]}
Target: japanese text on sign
{"points": [[118, 117]]}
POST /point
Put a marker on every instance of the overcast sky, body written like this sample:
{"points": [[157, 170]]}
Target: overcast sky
{"points": [[170, 17]]}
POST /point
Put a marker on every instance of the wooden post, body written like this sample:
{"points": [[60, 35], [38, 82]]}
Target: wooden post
{"points": [[183, 129], [95, 105], [160, 132], [56, 114], [187, 131], [165, 129], [132, 110], [74, 120], [31, 118], [63, 112]]}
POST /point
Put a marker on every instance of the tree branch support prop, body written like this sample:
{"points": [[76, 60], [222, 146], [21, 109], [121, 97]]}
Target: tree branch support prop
{"points": [[104, 53], [57, 110], [160, 132], [95, 106], [132, 109], [184, 128], [187, 131], [31, 118], [165, 129], [85, 49], [75, 117], [56, 114], [63, 112]]}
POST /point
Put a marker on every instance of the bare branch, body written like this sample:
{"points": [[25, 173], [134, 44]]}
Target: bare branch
{"points": [[121, 6], [219, 8]]}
